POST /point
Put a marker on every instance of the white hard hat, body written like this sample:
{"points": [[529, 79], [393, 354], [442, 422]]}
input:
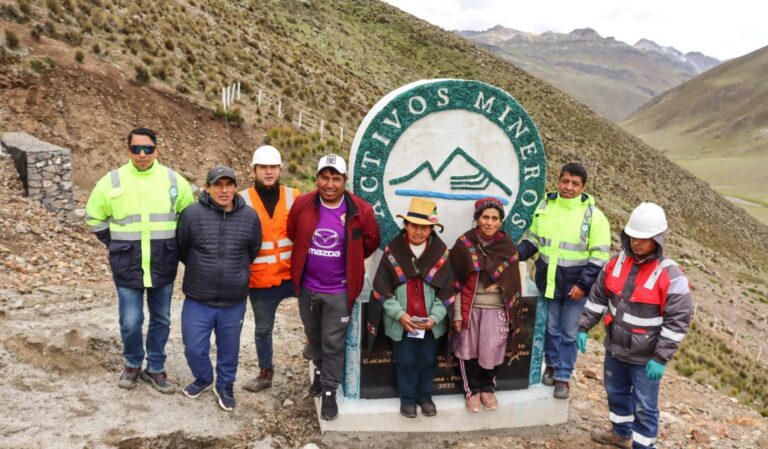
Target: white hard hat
{"points": [[646, 221], [266, 155]]}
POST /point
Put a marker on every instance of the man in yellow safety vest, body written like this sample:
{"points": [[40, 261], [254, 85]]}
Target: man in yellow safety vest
{"points": [[133, 211]]}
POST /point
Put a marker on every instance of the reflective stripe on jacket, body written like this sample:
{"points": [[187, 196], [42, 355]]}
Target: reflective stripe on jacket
{"points": [[272, 265], [134, 213], [646, 308], [573, 239]]}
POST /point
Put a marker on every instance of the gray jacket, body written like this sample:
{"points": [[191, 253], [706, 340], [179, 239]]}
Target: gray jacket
{"points": [[646, 305]]}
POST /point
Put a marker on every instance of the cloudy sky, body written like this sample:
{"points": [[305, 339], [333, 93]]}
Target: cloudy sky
{"points": [[727, 30]]}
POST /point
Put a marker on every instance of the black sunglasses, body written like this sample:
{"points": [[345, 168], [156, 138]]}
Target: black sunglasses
{"points": [[147, 149]]}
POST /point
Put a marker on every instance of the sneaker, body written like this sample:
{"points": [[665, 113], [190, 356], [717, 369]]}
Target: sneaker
{"points": [[548, 378], [328, 409], [428, 408], [128, 378], [561, 389], [473, 403], [196, 388], [225, 396], [159, 381], [610, 438], [408, 410], [261, 382], [489, 400], [315, 389]]}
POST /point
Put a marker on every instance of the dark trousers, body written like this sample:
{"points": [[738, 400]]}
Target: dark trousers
{"points": [[476, 378], [264, 302], [197, 322], [326, 319], [415, 365]]}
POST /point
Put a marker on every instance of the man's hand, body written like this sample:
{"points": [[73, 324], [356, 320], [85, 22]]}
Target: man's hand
{"points": [[424, 325], [654, 370], [457, 326], [576, 293], [581, 341], [407, 323]]}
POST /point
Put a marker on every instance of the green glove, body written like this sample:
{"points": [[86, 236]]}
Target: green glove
{"points": [[581, 341], [654, 370]]}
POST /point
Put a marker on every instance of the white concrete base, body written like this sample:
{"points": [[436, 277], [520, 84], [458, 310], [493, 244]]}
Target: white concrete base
{"points": [[520, 408]]}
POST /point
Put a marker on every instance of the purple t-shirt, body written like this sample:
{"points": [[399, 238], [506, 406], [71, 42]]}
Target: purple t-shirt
{"points": [[325, 270]]}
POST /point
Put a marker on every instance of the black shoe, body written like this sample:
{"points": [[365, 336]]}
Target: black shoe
{"points": [[315, 389], [561, 389], [428, 407], [328, 409], [548, 378], [196, 388], [408, 410], [225, 397]]}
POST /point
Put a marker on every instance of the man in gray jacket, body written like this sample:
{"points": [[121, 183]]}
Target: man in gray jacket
{"points": [[645, 302], [218, 238]]}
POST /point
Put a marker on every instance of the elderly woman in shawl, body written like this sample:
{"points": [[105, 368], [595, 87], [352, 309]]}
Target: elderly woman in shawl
{"points": [[412, 281], [485, 266]]}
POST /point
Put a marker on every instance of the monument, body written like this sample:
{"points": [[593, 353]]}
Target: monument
{"points": [[453, 141]]}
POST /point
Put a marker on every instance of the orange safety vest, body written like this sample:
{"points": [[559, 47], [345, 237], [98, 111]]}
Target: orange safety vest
{"points": [[272, 265]]}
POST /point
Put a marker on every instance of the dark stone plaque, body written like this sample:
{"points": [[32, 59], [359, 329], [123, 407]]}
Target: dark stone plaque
{"points": [[377, 366]]}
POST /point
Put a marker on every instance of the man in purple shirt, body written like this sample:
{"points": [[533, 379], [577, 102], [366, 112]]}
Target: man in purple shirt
{"points": [[333, 231]]}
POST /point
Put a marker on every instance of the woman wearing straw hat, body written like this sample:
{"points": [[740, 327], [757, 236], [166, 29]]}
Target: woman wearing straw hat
{"points": [[485, 265], [413, 280]]}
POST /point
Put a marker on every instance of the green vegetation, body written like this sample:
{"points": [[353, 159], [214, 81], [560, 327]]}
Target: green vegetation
{"points": [[11, 40], [232, 116], [79, 56], [42, 66]]}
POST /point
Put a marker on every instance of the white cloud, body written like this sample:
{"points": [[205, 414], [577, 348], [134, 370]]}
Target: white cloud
{"points": [[725, 31]]}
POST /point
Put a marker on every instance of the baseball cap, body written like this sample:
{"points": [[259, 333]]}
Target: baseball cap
{"points": [[334, 161], [218, 172]]}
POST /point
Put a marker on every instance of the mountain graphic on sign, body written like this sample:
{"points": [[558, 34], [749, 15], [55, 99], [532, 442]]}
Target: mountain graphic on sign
{"points": [[479, 180]]}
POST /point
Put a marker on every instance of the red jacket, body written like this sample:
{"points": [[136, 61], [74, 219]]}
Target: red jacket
{"points": [[362, 238]]}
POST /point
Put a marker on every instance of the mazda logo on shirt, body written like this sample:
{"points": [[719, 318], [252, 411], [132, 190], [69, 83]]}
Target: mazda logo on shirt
{"points": [[325, 238]]}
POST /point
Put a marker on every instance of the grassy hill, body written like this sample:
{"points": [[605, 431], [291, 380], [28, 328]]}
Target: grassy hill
{"points": [[612, 77], [718, 119], [81, 73]]}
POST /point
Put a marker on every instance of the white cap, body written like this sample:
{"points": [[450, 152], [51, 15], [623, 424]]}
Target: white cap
{"points": [[266, 155], [647, 220], [334, 161]]}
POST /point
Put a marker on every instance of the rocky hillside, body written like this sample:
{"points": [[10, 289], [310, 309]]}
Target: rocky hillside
{"points": [[82, 73], [717, 119], [610, 76]]}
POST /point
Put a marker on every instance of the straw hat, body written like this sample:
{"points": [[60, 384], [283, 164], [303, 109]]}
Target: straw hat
{"points": [[423, 212]]}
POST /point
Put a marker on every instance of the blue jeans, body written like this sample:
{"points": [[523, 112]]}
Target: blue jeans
{"points": [[197, 322], [131, 309], [264, 302], [415, 365], [633, 402], [562, 327]]}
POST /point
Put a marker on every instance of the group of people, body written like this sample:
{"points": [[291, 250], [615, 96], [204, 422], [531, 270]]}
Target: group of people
{"points": [[268, 242]]}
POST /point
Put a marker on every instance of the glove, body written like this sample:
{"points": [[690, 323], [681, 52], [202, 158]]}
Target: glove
{"points": [[581, 341], [654, 370]]}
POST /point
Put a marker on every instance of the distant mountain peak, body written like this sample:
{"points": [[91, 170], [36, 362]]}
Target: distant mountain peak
{"points": [[585, 33]]}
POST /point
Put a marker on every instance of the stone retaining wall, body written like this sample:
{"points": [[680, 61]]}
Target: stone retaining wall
{"points": [[44, 168]]}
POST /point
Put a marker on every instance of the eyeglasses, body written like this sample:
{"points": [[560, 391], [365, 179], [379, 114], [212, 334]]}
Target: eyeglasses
{"points": [[147, 149]]}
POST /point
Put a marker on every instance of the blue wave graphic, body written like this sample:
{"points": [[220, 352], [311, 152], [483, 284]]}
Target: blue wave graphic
{"points": [[448, 196]]}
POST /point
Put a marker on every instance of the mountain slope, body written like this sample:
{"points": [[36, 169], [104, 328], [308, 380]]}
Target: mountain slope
{"points": [[718, 119], [610, 76]]}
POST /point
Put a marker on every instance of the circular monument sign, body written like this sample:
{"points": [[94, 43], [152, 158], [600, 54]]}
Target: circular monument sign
{"points": [[453, 141]]}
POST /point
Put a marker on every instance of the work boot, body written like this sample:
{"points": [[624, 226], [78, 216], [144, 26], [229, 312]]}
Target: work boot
{"points": [[428, 408], [159, 381], [328, 409], [561, 389], [489, 400], [408, 410], [196, 388], [225, 397], [548, 378], [610, 438], [315, 389], [261, 382], [128, 378]]}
